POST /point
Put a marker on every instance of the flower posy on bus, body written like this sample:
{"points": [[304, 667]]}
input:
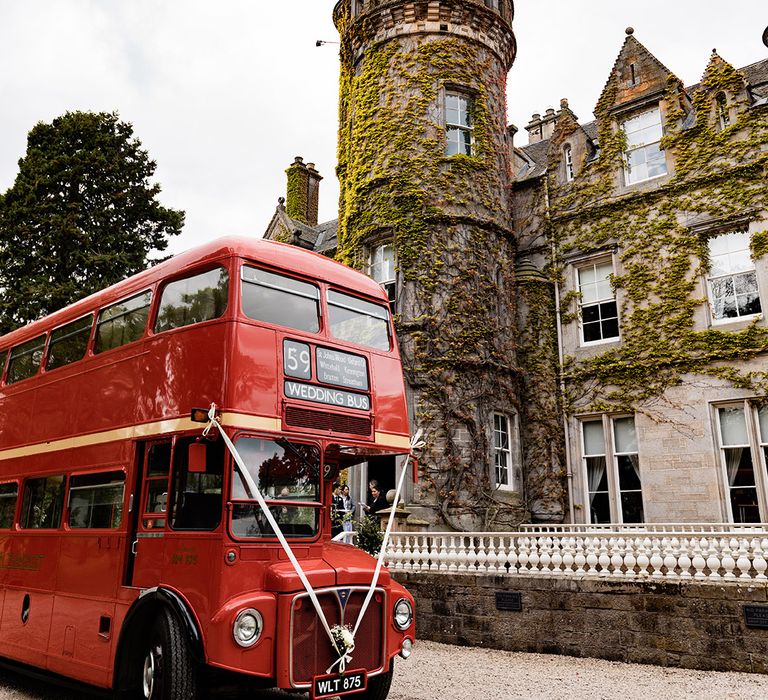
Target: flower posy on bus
{"points": [[145, 545]]}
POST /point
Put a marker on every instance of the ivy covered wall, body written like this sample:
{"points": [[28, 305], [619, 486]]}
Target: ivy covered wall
{"points": [[449, 220]]}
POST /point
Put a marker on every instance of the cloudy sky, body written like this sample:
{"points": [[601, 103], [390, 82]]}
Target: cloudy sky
{"points": [[224, 94]]}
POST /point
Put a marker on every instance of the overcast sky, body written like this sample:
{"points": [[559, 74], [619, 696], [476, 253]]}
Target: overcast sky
{"points": [[224, 94]]}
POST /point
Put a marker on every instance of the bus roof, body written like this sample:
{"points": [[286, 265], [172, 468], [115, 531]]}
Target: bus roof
{"points": [[279, 255]]}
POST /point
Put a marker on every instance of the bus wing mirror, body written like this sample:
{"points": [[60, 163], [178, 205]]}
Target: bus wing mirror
{"points": [[197, 458]]}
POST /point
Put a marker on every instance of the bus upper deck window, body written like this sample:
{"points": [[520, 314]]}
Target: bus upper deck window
{"points": [[358, 321], [281, 300], [25, 359], [69, 343], [194, 299], [122, 323]]}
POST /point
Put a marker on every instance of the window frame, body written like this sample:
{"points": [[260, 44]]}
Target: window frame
{"points": [[189, 275], [124, 300], [51, 344], [594, 263], [628, 181], [389, 284], [755, 444], [510, 423], [569, 172], [714, 320], [42, 349], [62, 501], [245, 283], [15, 516], [611, 456], [469, 97], [100, 472]]}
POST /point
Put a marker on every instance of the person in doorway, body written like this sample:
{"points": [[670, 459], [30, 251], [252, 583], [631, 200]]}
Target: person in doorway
{"points": [[337, 510], [349, 509], [376, 499]]}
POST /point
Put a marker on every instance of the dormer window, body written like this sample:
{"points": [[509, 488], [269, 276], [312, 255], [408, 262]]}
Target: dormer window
{"points": [[644, 158], [459, 124], [723, 118], [568, 162]]}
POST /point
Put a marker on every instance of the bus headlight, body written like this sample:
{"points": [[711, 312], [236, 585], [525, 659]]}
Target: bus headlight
{"points": [[248, 627], [403, 614]]}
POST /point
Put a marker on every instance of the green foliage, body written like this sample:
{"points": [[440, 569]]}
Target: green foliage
{"points": [[448, 220], [81, 215], [719, 176], [296, 201], [369, 535]]}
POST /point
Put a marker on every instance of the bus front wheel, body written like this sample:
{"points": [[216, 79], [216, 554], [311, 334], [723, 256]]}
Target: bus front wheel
{"points": [[168, 671]]}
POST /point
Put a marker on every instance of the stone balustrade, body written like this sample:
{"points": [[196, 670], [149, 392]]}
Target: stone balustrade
{"points": [[707, 555]]}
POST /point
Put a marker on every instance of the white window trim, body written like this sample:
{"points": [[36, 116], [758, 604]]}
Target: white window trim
{"points": [[755, 447], [470, 98], [570, 173], [611, 466], [713, 320], [510, 451], [579, 265], [627, 183]]}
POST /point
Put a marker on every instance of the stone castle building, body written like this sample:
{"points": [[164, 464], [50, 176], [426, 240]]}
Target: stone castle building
{"points": [[581, 317]]}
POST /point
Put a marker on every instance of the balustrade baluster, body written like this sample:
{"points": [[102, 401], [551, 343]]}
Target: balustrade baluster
{"points": [[580, 559], [557, 555], [630, 560], [728, 562], [656, 559], [699, 562], [615, 549], [512, 560], [712, 545], [482, 555], [669, 554], [743, 563], [523, 554], [643, 560], [453, 556], [684, 560], [758, 558], [592, 558]]}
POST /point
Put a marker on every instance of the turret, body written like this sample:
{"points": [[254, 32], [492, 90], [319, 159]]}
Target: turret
{"points": [[425, 174]]}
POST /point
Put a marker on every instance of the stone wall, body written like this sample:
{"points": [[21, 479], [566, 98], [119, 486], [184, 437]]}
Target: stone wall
{"points": [[682, 624]]}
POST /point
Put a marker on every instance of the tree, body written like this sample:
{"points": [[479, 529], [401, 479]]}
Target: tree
{"points": [[81, 215]]}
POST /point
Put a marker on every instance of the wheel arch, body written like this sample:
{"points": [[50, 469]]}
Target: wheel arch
{"points": [[140, 617]]}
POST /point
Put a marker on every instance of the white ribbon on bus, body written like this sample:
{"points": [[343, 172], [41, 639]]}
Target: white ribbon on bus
{"points": [[343, 648]]}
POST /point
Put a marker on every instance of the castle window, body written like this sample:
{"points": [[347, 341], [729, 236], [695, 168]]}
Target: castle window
{"points": [[745, 481], [612, 470], [382, 269], [723, 118], [733, 290], [599, 312], [459, 124], [568, 162], [492, 4], [644, 158], [503, 450]]}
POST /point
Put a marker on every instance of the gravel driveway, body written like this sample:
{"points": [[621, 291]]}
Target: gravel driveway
{"points": [[440, 672]]}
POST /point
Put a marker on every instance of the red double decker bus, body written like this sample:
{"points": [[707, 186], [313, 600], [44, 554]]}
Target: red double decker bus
{"points": [[133, 552]]}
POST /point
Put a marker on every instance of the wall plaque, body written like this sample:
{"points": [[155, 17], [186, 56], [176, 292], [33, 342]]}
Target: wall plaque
{"points": [[756, 616], [509, 600]]}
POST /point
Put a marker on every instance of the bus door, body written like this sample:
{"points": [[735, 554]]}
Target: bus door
{"points": [[148, 540]]}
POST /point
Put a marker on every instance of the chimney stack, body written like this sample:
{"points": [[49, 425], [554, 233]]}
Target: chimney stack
{"points": [[303, 192]]}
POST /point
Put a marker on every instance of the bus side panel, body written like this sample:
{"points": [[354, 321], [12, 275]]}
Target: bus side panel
{"points": [[253, 371], [26, 621], [56, 399], [176, 356], [109, 391], [17, 415], [75, 647]]}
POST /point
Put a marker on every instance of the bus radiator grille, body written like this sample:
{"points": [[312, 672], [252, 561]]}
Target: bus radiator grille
{"points": [[317, 420], [311, 649]]}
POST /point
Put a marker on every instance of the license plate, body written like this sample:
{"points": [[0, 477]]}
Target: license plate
{"points": [[333, 685]]}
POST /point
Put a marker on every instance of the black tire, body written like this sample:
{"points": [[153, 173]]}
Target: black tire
{"points": [[378, 686], [167, 670]]}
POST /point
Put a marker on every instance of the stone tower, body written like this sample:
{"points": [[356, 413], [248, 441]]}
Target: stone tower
{"points": [[424, 168]]}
